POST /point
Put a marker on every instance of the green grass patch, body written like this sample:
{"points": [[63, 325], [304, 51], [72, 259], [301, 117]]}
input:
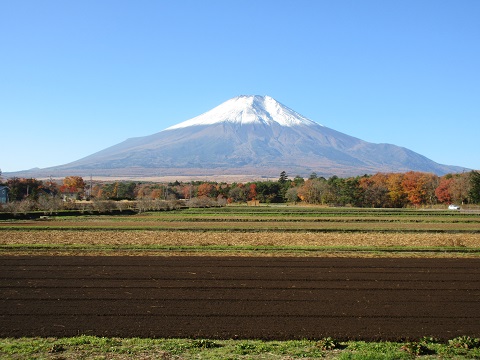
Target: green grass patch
{"points": [[242, 249], [91, 347]]}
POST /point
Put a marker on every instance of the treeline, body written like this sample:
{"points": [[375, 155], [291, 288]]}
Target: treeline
{"points": [[382, 190]]}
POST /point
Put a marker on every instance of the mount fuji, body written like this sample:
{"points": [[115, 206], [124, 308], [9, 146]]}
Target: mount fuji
{"points": [[254, 135]]}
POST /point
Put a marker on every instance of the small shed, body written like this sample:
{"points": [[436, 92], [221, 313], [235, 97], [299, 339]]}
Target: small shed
{"points": [[3, 194], [70, 196]]}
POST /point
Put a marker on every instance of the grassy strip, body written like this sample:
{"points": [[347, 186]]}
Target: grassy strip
{"points": [[241, 248], [319, 213], [268, 211], [289, 219], [256, 213], [88, 347], [313, 209]]}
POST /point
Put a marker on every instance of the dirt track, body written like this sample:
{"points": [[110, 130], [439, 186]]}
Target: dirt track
{"points": [[215, 297]]}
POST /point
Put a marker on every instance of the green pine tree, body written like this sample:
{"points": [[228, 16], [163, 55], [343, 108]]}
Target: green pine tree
{"points": [[283, 177], [474, 193]]}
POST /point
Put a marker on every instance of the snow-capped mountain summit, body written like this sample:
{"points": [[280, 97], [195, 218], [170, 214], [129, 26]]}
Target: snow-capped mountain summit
{"points": [[248, 135], [248, 109]]}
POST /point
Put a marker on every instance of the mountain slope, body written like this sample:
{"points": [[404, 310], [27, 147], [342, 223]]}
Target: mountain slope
{"points": [[250, 135]]}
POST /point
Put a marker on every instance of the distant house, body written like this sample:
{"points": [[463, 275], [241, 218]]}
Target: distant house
{"points": [[69, 193], [3, 194]]}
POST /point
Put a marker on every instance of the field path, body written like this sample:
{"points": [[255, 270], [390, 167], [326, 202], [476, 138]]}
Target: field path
{"points": [[239, 297]]}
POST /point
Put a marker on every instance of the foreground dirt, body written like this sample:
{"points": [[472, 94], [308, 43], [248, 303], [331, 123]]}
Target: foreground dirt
{"points": [[232, 297]]}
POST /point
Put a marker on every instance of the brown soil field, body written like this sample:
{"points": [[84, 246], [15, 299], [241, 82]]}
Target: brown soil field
{"points": [[233, 297]]}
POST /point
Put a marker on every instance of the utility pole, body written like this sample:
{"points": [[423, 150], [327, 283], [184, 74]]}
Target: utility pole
{"points": [[50, 187]]}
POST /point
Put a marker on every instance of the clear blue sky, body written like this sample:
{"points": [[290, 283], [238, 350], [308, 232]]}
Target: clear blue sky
{"points": [[79, 76]]}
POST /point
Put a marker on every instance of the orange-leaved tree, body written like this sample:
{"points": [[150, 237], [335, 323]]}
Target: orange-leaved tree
{"points": [[412, 186], [420, 187], [206, 189], [443, 192], [252, 193], [75, 183], [397, 196]]}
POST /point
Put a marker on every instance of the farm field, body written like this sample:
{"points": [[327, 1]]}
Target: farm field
{"points": [[248, 274], [279, 298], [274, 218], [300, 231]]}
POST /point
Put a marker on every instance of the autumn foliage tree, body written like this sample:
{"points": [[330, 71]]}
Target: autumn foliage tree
{"points": [[442, 192], [397, 197], [76, 182], [410, 187], [460, 188], [252, 192], [187, 191], [73, 184], [313, 191], [375, 190], [157, 194], [206, 190]]}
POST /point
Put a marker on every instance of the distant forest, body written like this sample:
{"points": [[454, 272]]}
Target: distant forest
{"points": [[382, 190]]}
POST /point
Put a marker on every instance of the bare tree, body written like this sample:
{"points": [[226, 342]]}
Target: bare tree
{"points": [[49, 204], [292, 195]]}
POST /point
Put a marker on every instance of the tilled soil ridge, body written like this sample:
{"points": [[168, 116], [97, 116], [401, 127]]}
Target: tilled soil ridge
{"points": [[239, 297]]}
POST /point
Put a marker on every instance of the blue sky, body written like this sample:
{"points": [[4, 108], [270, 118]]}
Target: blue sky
{"points": [[79, 76]]}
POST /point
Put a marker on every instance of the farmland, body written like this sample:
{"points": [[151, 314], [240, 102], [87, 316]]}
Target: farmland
{"points": [[273, 230], [272, 273]]}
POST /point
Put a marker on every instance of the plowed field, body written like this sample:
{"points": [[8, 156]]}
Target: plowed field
{"points": [[239, 297]]}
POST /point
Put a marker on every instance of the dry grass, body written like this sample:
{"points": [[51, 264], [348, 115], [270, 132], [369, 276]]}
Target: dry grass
{"points": [[225, 238]]}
